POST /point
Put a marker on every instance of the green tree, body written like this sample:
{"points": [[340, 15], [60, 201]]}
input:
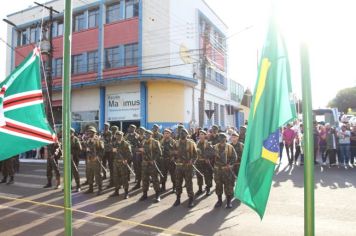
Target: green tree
{"points": [[345, 99]]}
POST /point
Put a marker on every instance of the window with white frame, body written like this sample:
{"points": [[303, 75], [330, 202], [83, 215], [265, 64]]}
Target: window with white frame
{"points": [[93, 61], [131, 8], [78, 64], [112, 57], [93, 18], [79, 22], [113, 12], [58, 63], [131, 54]]}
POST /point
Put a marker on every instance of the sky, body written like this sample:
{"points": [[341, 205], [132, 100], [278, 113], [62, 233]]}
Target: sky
{"points": [[327, 26]]}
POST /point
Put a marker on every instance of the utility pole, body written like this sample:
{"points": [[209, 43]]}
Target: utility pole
{"points": [[203, 75], [49, 68]]}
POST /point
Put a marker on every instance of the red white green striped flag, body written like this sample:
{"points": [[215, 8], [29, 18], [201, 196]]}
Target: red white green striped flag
{"points": [[23, 123]]}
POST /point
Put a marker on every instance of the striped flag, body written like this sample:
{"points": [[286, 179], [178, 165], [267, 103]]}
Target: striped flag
{"points": [[23, 123]]}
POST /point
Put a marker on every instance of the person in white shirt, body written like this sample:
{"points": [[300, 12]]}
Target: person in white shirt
{"points": [[344, 145]]}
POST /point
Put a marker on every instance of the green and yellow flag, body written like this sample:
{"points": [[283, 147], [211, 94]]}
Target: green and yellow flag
{"points": [[272, 107]]}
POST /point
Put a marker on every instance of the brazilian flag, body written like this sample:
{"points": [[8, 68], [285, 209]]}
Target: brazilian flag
{"points": [[272, 107], [23, 123]]}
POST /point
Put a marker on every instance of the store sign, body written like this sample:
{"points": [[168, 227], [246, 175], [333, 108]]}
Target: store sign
{"points": [[123, 106]]}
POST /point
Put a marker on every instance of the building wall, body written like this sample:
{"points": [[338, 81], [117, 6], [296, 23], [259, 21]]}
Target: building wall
{"points": [[165, 102], [85, 99]]}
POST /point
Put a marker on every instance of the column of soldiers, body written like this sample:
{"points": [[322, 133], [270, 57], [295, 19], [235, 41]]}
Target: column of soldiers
{"points": [[150, 156]]}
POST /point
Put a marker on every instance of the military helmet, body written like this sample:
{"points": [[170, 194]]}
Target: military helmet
{"points": [[92, 129], [114, 128]]}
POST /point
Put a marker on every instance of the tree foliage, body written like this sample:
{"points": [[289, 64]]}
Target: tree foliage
{"points": [[345, 99]]}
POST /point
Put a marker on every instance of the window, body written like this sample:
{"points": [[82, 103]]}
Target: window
{"points": [[93, 61], [58, 67], [78, 64], [131, 54], [93, 18], [131, 8], [112, 57], [60, 28], [113, 12], [79, 22], [33, 35], [216, 113], [24, 37], [222, 116]]}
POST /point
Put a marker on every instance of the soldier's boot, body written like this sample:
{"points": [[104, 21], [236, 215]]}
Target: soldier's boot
{"points": [[78, 189], [163, 188], [11, 180], [115, 193], [58, 183], [200, 191], [100, 189], [144, 196], [191, 202], [228, 202], [126, 196], [174, 189], [157, 198], [3, 180], [49, 183], [219, 202], [177, 202], [207, 193], [90, 189], [137, 186]]}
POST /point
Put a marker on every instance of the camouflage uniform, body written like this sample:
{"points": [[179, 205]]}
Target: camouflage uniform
{"points": [[93, 148], [52, 165], [7, 169], [122, 155], [223, 174], [238, 149], [132, 139], [186, 155], [108, 155], [76, 148], [167, 164], [204, 165], [137, 162], [151, 154]]}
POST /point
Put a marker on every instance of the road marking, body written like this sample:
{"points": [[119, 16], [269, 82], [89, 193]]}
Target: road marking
{"points": [[165, 230]]}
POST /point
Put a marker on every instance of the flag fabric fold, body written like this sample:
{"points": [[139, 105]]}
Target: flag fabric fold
{"points": [[271, 108], [23, 123]]}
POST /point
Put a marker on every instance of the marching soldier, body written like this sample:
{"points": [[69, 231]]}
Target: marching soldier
{"points": [[156, 134], [132, 138], [167, 163], [186, 153], [122, 155], [178, 132], [107, 157], [151, 154], [93, 148], [214, 137], [203, 163], [239, 147], [7, 169], [137, 162], [52, 164], [76, 148], [242, 134], [223, 174]]}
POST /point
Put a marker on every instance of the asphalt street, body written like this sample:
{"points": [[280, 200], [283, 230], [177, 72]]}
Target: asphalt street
{"points": [[28, 209]]}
